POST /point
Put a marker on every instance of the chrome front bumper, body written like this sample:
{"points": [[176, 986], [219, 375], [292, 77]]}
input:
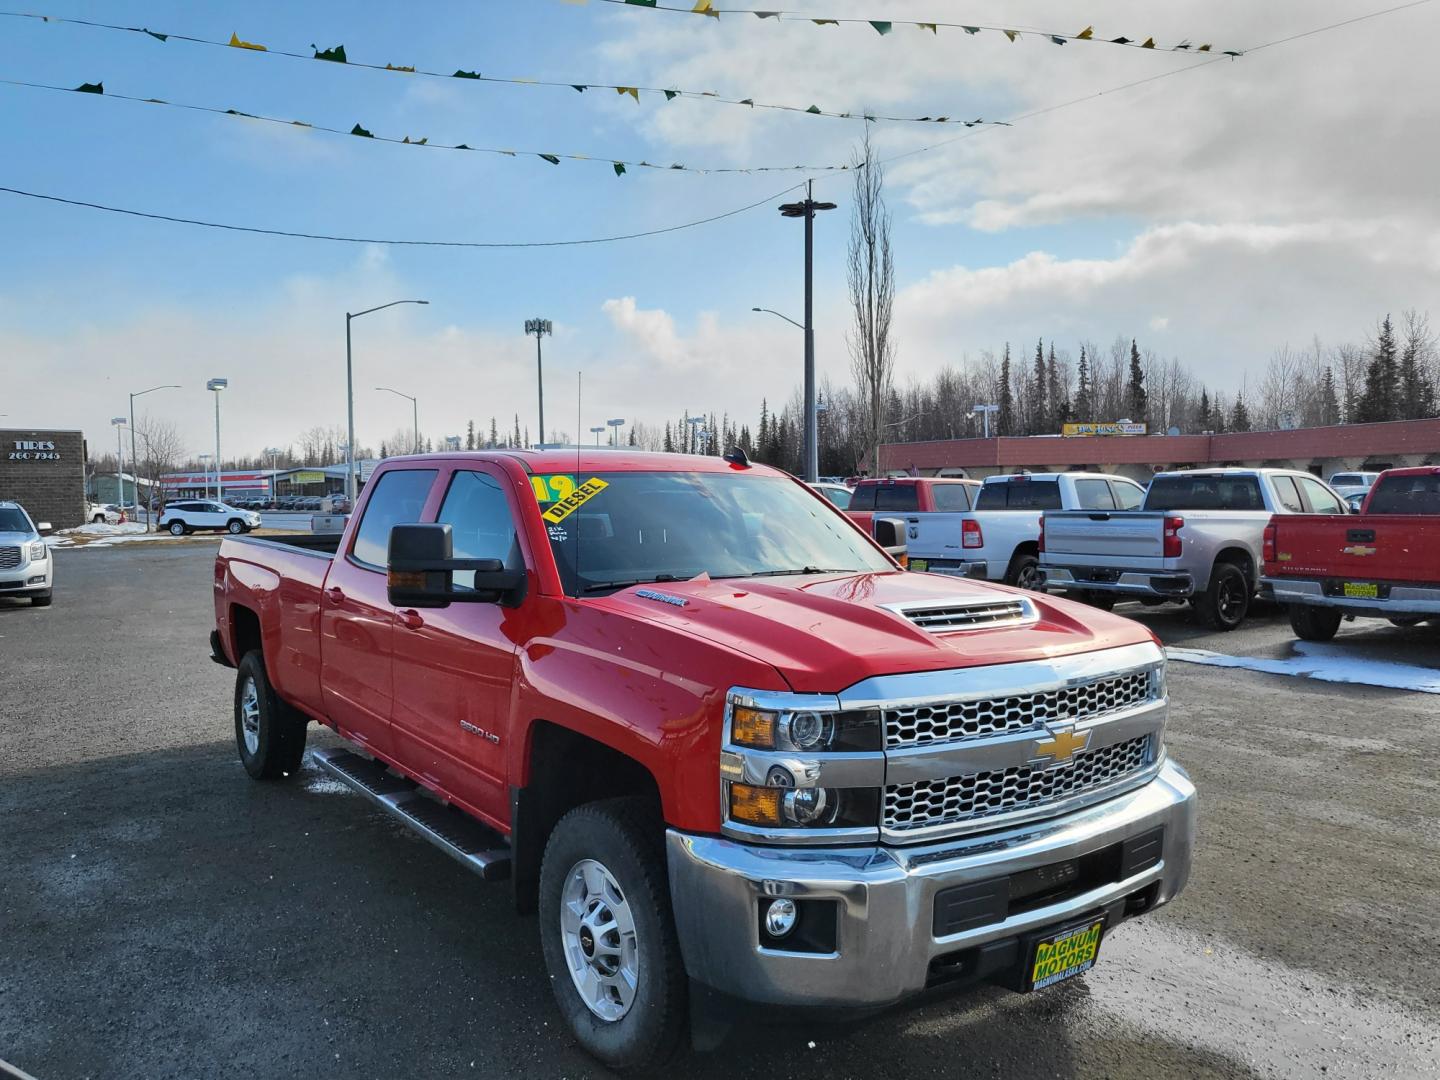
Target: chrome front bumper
{"points": [[1403, 599], [885, 898], [1176, 585], [20, 580]]}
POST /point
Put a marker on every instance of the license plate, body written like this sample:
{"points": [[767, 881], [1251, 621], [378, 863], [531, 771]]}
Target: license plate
{"points": [[1362, 589], [1066, 954], [920, 564]]}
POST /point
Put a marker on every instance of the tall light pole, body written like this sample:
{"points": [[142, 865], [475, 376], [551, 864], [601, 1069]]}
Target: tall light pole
{"points": [[615, 426], [597, 432], [414, 412], [985, 411], [539, 327], [217, 385], [133, 458], [350, 395], [204, 458], [119, 422], [807, 210], [273, 453]]}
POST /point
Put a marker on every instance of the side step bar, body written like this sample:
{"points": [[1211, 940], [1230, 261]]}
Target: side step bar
{"points": [[457, 834]]}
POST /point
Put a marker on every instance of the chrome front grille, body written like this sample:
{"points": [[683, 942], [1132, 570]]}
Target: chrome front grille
{"points": [[950, 801], [9, 558], [919, 725]]}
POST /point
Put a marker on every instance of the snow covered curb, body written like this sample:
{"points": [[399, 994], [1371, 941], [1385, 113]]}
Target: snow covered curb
{"points": [[101, 535], [1326, 663]]}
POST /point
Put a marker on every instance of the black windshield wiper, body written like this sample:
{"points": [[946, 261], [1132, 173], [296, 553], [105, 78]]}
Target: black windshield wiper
{"points": [[802, 570], [626, 584]]}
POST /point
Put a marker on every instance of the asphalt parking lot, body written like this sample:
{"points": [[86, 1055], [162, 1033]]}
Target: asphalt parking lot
{"points": [[161, 915]]}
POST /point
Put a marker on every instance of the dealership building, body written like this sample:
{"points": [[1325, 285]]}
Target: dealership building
{"points": [[44, 471]]}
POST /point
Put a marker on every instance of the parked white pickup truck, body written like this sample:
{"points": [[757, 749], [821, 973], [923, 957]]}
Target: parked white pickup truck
{"points": [[1198, 538], [999, 539]]}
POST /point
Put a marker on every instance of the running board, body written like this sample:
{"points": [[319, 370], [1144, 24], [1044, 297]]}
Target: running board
{"points": [[454, 832]]}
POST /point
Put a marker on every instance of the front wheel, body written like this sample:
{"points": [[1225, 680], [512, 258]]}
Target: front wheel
{"points": [[608, 935], [42, 600], [235, 527], [1224, 605], [269, 734]]}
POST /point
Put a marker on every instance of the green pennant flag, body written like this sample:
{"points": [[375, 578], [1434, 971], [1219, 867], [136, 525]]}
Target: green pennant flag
{"points": [[1057, 39], [358, 130], [577, 88], [671, 95], [814, 109], [336, 55], [881, 28], [158, 37], [641, 3], [767, 15], [551, 158], [971, 29], [748, 101], [1120, 41], [619, 168], [461, 146], [466, 75], [90, 88]]}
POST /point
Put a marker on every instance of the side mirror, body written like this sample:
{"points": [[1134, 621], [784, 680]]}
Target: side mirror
{"points": [[890, 534], [421, 571], [43, 526]]}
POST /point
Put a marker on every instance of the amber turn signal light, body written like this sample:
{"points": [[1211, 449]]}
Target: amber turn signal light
{"points": [[755, 805], [753, 728]]}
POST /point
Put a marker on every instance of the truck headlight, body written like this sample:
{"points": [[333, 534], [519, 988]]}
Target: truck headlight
{"points": [[37, 551], [805, 731]]}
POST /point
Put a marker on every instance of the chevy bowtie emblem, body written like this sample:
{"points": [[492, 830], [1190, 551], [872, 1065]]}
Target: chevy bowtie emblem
{"points": [[1061, 747], [1359, 549]]}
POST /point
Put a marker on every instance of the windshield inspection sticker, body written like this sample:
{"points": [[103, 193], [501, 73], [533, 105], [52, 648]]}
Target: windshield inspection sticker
{"points": [[566, 506]]}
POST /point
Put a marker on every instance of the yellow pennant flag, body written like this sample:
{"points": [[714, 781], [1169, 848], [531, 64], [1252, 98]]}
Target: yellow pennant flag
{"points": [[1148, 43], [703, 7], [236, 43], [826, 22], [633, 91], [397, 67], [934, 28], [1086, 34], [1012, 34]]}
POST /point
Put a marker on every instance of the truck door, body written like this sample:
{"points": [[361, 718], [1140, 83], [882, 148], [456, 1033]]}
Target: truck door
{"points": [[357, 622], [454, 666]]}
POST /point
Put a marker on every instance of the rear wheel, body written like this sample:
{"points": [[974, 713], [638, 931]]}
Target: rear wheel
{"points": [[269, 734], [177, 528], [1312, 623], [1224, 605], [1024, 573], [608, 935]]}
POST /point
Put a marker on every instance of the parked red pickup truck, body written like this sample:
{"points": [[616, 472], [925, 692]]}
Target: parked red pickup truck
{"points": [[728, 749], [1384, 563], [909, 495]]}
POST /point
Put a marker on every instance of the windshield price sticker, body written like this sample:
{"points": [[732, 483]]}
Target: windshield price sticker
{"points": [[564, 495]]}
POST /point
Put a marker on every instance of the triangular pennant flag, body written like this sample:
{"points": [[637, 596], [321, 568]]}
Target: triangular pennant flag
{"points": [[633, 91], [397, 67], [641, 3], [1184, 46], [934, 28], [671, 95], [551, 158], [158, 37], [703, 7], [826, 22], [1086, 34], [814, 109], [1012, 34], [1057, 39], [460, 146], [767, 14], [90, 88], [236, 43], [748, 101], [881, 28], [578, 88], [1203, 48], [618, 167], [466, 75], [336, 55], [972, 30], [299, 123], [1120, 41], [1148, 43], [415, 142], [358, 130], [1232, 52]]}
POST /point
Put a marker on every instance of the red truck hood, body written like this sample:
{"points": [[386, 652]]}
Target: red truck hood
{"points": [[825, 633]]}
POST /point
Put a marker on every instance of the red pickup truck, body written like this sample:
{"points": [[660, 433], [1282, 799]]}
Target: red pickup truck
{"points": [[1384, 563], [732, 753], [909, 495]]}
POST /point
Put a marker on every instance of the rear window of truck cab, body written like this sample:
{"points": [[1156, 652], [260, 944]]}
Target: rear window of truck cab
{"points": [[950, 497], [1212, 491], [613, 529], [1407, 495], [1019, 493]]}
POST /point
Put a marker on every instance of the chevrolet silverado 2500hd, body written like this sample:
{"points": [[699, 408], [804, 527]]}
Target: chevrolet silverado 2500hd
{"points": [[999, 538], [1384, 562], [1196, 538], [731, 752]]}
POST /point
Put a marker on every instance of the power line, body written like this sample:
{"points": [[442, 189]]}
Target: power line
{"points": [[394, 242]]}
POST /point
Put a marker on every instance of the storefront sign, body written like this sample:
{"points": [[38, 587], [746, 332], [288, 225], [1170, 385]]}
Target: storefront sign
{"points": [[1071, 430], [306, 478], [34, 450]]}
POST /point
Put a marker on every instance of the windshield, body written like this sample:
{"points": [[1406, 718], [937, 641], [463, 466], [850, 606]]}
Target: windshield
{"points": [[1205, 492], [609, 530], [12, 519]]}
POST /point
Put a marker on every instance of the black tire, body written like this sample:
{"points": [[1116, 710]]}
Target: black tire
{"points": [[235, 526], [98, 519], [1405, 622], [1024, 573], [279, 732], [42, 600], [1103, 600], [627, 838], [1226, 602], [1312, 623], [177, 528]]}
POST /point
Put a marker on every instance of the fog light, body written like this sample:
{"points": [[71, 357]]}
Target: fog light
{"points": [[780, 917], [36, 580]]}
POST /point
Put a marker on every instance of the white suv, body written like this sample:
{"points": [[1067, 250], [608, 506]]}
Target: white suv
{"points": [[26, 566], [188, 515]]}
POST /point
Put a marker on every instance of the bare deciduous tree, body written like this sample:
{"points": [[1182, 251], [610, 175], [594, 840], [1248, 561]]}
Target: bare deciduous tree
{"points": [[872, 298]]}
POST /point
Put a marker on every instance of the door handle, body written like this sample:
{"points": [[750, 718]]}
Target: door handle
{"points": [[335, 595], [410, 618]]}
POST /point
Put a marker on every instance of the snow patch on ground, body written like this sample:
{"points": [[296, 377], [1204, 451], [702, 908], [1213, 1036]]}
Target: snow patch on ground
{"points": [[323, 784], [98, 534], [1326, 663]]}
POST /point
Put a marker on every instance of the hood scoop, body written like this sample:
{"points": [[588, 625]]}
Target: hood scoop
{"points": [[951, 616]]}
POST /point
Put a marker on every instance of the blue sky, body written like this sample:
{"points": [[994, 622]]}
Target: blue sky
{"points": [[1106, 218]]}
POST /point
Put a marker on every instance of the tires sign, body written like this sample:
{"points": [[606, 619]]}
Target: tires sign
{"points": [[34, 450]]}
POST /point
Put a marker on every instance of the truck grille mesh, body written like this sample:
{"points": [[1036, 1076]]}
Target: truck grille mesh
{"points": [[963, 798], [947, 721], [9, 558]]}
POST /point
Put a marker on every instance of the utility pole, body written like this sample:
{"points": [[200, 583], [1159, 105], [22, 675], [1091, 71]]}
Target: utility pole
{"points": [[807, 210], [149, 510], [539, 327]]}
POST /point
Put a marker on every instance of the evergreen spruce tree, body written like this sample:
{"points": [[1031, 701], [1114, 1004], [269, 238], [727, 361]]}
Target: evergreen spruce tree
{"points": [[1084, 406], [494, 434], [470, 435], [1202, 414], [1329, 401], [1240, 418], [1039, 408], [669, 439], [1059, 411], [1378, 402], [1417, 392], [1005, 418], [1135, 396]]}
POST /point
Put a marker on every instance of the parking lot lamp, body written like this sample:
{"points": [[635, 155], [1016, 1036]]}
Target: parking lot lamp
{"points": [[216, 385], [119, 422], [985, 411], [414, 413], [350, 486], [615, 426], [807, 211], [597, 432], [133, 458], [539, 327]]}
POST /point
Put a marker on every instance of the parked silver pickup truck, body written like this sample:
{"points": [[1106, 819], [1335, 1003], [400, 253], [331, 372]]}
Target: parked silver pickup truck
{"points": [[999, 540], [1198, 537]]}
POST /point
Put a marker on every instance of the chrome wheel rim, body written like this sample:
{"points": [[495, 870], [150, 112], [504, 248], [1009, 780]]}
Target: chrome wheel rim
{"points": [[235, 526], [250, 716], [597, 932], [1029, 578]]}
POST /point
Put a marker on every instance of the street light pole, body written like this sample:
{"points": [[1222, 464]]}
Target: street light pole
{"points": [[597, 432], [273, 453], [133, 459], [615, 426], [414, 412], [119, 422], [217, 385], [807, 210], [539, 327], [985, 411], [350, 487]]}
